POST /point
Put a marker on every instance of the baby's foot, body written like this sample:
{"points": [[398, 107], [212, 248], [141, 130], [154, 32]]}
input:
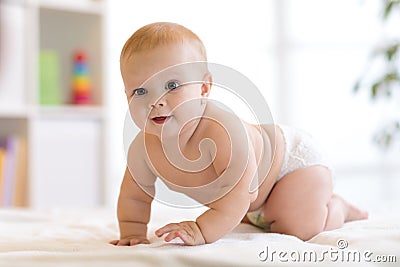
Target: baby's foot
{"points": [[352, 213]]}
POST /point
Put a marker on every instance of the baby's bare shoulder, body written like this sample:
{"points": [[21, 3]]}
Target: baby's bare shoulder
{"points": [[137, 146], [222, 123]]}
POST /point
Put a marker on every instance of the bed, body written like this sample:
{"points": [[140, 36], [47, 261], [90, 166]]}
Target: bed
{"points": [[66, 237]]}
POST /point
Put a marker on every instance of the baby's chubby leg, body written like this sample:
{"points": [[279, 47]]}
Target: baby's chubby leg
{"points": [[302, 204]]}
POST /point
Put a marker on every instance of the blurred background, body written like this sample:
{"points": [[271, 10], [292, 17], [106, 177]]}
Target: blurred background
{"points": [[62, 102]]}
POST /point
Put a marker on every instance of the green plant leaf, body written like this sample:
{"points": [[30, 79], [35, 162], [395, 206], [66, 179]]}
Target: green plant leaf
{"points": [[388, 9], [374, 89], [389, 4], [388, 134], [391, 51], [391, 77], [385, 84], [389, 81]]}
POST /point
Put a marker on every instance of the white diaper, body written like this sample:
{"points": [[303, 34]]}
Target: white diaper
{"points": [[301, 151]]}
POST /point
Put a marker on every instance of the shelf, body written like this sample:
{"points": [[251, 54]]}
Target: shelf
{"points": [[13, 126], [80, 32], [62, 144], [65, 111], [13, 113], [70, 111], [80, 6]]}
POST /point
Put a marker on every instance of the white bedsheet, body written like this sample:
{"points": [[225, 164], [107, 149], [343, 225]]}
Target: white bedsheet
{"points": [[80, 238]]}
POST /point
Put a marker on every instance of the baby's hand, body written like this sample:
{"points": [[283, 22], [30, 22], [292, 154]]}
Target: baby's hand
{"points": [[130, 241], [188, 231]]}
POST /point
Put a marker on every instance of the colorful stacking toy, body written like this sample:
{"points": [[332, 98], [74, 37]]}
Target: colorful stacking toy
{"points": [[81, 86]]}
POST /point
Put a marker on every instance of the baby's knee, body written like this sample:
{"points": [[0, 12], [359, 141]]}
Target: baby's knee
{"points": [[305, 233], [302, 229], [309, 231]]}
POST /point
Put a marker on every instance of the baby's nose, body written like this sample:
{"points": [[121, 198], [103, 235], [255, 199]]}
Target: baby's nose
{"points": [[160, 102]]}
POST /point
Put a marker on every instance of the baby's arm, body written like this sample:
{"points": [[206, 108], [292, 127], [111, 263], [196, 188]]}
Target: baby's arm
{"points": [[225, 214], [134, 202], [134, 206], [222, 216]]}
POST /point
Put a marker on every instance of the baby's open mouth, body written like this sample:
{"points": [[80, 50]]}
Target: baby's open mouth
{"points": [[160, 119]]}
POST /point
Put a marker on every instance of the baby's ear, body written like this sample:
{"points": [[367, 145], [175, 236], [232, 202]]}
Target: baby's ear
{"points": [[206, 87]]}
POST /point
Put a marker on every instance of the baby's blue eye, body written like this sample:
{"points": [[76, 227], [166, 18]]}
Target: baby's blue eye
{"points": [[139, 91], [172, 85]]}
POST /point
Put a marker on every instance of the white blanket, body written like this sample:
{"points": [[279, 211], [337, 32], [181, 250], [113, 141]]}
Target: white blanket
{"points": [[80, 238]]}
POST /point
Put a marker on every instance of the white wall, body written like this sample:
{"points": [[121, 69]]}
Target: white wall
{"points": [[327, 48], [304, 56]]}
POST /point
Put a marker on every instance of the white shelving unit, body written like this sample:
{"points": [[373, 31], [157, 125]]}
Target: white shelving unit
{"points": [[64, 144]]}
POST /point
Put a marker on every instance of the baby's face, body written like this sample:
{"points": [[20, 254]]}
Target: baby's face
{"points": [[163, 93]]}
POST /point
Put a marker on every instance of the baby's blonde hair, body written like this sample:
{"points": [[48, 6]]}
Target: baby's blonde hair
{"points": [[161, 33]]}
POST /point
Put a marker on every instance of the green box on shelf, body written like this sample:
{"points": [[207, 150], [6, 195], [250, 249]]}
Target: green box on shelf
{"points": [[49, 78]]}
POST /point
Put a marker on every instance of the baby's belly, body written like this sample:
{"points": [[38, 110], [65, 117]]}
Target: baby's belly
{"points": [[201, 187], [207, 188]]}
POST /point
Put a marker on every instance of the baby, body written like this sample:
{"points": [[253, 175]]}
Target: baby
{"points": [[271, 176]]}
